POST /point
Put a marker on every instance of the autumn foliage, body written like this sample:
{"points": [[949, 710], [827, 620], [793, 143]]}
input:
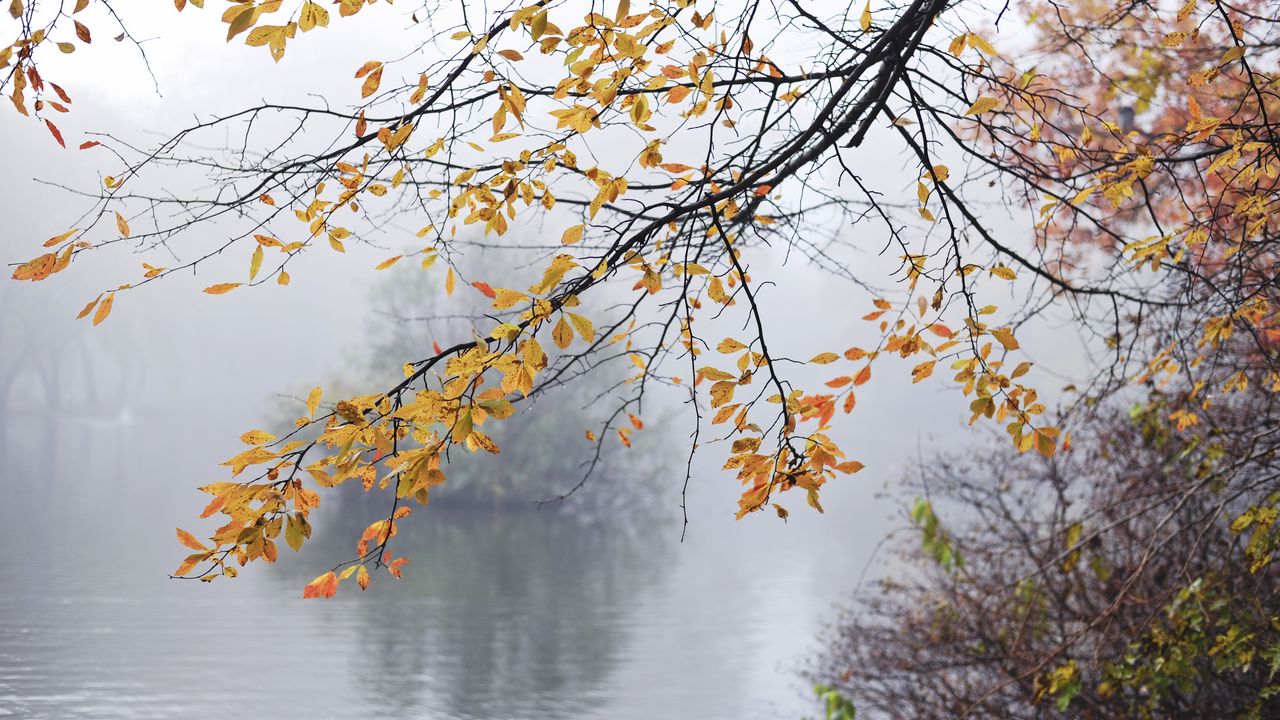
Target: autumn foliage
{"points": [[1134, 143]]}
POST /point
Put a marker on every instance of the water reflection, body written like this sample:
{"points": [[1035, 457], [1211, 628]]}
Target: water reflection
{"points": [[501, 614]]}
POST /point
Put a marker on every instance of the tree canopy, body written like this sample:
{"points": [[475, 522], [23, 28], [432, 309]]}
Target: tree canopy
{"points": [[1111, 163]]}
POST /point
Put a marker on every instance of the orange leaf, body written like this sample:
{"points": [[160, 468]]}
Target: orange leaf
{"points": [[863, 376], [55, 240], [88, 308], [221, 288], [324, 586], [370, 85], [214, 506], [190, 540], [484, 288]]}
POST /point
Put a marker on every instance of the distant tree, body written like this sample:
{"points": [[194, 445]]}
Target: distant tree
{"points": [[543, 462], [1132, 576], [663, 146]]}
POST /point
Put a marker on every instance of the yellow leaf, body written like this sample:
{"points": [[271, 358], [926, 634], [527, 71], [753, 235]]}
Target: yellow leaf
{"points": [[981, 105], [982, 45], [388, 262], [562, 334], [729, 345], [313, 15], [221, 288], [573, 234], [313, 401], [255, 263], [583, 326], [865, 20], [1006, 338], [257, 437], [122, 225], [1083, 195], [283, 278], [1003, 272], [294, 532], [104, 308], [463, 427], [504, 298], [722, 392], [825, 358], [449, 282], [539, 25]]}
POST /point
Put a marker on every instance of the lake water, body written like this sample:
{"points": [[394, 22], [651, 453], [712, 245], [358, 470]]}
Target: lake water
{"points": [[500, 614]]}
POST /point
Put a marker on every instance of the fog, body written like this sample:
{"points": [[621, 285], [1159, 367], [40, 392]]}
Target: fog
{"points": [[107, 431]]}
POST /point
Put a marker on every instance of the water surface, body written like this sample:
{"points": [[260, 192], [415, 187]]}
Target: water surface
{"points": [[500, 614]]}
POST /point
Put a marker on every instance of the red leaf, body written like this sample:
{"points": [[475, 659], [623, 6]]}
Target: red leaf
{"points": [[484, 288], [88, 144], [56, 134], [61, 93], [436, 346]]}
